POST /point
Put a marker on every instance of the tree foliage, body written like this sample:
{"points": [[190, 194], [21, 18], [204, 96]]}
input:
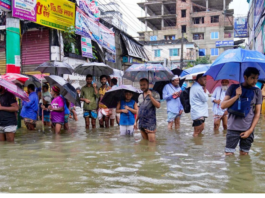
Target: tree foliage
{"points": [[203, 60]]}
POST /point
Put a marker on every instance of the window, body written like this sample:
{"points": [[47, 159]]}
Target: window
{"points": [[183, 13], [183, 29], [214, 35], [169, 37], [198, 36], [153, 38], [202, 52], [214, 19], [157, 53], [174, 52], [198, 20], [214, 52], [228, 35]]}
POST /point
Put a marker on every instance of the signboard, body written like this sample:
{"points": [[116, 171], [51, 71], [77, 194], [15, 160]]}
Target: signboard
{"points": [[90, 7], [258, 10], [86, 26], [24, 9], [153, 38], [107, 38], [5, 5], [86, 47], [240, 27], [224, 43], [264, 39], [58, 14]]}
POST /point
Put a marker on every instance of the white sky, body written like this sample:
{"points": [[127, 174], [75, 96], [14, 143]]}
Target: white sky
{"points": [[131, 11]]}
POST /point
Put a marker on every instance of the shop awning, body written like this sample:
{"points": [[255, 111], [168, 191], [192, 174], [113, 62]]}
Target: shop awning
{"points": [[133, 48]]}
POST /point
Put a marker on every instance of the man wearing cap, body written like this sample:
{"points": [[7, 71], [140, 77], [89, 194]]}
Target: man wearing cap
{"points": [[198, 103], [171, 93]]}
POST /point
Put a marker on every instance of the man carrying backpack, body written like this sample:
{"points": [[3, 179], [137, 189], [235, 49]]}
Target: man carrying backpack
{"points": [[244, 105], [198, 104]]}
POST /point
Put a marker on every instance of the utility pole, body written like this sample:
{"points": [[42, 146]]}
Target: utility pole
{"points": [[181, 55]]}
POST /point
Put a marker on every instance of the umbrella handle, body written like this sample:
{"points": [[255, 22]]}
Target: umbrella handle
{"points": [[239, 102]]}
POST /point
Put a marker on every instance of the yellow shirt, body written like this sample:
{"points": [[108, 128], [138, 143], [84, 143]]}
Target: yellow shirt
{"points": [[102, 92]]}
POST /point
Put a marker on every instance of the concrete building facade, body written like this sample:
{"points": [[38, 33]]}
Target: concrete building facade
{"points": [[207, 23]]}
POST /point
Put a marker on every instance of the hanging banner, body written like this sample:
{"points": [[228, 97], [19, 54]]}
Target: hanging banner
{"points": [[224, 43], [85, 26], [107, 38], [24, 9], [59, 14], [259, 43], [90, 7], [86, 47], [5, 5], [258, 10], [241, 27]]}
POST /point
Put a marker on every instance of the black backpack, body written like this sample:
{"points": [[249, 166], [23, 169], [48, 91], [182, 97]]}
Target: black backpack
{"points": [[185, 100]]}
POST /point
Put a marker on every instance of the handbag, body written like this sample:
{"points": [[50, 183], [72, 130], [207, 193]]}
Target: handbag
{"points": [[242, 106]]}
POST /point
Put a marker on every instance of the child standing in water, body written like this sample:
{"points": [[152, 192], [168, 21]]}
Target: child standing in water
{"points": [[128, 108]]}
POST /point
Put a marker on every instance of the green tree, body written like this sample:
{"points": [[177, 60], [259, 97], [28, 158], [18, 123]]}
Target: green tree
{"points": [[203, 60]]}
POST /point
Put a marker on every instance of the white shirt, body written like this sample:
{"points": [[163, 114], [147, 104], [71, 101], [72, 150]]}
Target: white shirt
{"points": [[218, 94], [198, 102]]}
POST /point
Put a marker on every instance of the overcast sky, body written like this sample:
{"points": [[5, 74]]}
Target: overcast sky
{"points": [[131, 11]]}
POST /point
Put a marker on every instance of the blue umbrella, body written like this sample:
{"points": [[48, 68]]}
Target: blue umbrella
{"points": [[232, 63], [196, 69]]}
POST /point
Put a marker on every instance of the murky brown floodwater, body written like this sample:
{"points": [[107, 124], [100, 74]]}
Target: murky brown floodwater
{"points": [[102, 161]]}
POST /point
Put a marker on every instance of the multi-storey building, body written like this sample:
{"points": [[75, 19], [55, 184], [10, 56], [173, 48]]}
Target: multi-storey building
{"points": [[206, 23]]}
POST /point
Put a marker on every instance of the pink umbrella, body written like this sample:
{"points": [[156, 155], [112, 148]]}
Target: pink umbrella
{"points": [[15, 78], [212, 84], [40, 76], [12, 88]]}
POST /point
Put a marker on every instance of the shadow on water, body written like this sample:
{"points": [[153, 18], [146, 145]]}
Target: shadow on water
{"points": [[100, 161]]}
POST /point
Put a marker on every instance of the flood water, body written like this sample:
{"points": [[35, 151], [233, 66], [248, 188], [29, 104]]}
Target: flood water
{"points": [[101, 161]]}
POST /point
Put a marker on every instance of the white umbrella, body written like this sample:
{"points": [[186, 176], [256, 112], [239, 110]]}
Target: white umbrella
{"points": [[95, 69]]}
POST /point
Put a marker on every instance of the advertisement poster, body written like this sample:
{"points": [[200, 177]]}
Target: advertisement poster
{"points": [[86, 47], [90, 7], [107, 38], [259, 43], [264, 38], [59, 14], [5, 5], [85, 26], [258, 10], [241, 27], [24, 9]]}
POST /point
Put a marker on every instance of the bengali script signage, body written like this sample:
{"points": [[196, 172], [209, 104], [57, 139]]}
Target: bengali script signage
{"points": [[241, 27], [107, 38], [59, 14], [86, 47], [224, 43], [5, 5]]}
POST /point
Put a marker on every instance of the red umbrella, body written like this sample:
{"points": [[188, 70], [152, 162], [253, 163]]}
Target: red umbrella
{"points": [[12, 88], [212, 84], [15, 78]]}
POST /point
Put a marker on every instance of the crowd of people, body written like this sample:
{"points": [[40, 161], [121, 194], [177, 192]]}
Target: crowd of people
{"points": [[237, 106]]}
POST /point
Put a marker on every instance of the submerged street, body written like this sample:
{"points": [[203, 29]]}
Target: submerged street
{"points": [[102, 161]]}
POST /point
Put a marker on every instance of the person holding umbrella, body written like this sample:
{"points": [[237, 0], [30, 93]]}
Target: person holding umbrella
{"points": [[128, 108], [244, 106], [217, 98], [114, 114], [171, 93], [8, 119], [149, 100], [57, 110], [89, 95]]}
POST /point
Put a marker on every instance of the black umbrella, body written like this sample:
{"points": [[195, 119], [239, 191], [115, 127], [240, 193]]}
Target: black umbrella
{"points": [[113, 96], [32, 80], [159, 86], [66, 89]]}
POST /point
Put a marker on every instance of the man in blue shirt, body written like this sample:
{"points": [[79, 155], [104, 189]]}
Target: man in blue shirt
{"points": [[30, 109], [171, 93], [198, 104]]}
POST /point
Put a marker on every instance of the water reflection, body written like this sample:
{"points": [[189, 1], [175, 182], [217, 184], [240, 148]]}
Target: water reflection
{"points": [[101, 161]]}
